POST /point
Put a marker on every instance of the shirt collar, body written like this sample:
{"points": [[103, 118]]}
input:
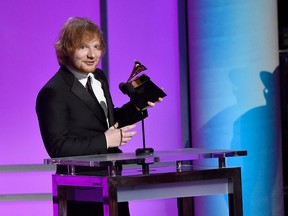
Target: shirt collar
{"points": [[80, 76]]}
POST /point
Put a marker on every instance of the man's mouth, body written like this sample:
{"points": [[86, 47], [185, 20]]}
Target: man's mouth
{"points": [[90, 63]]}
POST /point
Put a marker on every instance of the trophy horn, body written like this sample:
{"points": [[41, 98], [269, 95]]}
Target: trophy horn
{"points": [[138, 68]]}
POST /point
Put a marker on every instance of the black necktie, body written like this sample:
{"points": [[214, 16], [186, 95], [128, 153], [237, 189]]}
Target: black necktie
{"points": [[89, 87], [90, 90]]}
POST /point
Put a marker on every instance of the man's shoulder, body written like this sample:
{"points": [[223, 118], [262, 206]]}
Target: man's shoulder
{"points": [[99, 74], [56, 83], [61, 77]]}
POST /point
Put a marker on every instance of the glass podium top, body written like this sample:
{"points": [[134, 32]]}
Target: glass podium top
{"points": [[185, 154]]}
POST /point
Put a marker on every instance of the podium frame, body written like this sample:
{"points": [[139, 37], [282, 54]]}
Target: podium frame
{"points": [[166, 174]]}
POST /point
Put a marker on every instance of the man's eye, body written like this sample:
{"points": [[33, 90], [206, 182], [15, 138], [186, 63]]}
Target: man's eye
{"points": [[98, 47]]}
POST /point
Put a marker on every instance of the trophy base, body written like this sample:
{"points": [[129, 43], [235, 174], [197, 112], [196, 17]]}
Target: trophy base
{"points": [[144, 151]]}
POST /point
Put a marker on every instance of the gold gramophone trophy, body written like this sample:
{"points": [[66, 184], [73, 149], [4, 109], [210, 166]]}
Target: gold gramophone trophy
{"points": [[141, 89]]}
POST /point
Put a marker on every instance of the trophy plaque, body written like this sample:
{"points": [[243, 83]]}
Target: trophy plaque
{"points": [[142, 89]]}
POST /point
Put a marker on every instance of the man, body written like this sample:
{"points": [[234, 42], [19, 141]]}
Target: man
{"points": [[73, 121]]}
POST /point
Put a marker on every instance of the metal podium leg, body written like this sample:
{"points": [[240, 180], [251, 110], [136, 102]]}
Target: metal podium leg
{"points": [[185, 206], [62, 201], [110, 202], [59, 194], [55, 197], [235, 198]]}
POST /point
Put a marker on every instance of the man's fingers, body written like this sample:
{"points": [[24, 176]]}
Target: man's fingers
{"points": [[126, 134], [151, 104], [128, 127], [115, 125], [129, 134]]}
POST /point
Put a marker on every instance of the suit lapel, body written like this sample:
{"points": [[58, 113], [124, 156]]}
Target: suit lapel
{"points": [[107, 96], [79, 90]]}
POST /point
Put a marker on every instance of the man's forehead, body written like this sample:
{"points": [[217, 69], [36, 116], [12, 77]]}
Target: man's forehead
{"points": [[89, 40]]}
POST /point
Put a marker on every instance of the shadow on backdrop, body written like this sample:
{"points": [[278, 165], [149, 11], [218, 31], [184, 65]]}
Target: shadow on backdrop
{"points": [[258, 131]]}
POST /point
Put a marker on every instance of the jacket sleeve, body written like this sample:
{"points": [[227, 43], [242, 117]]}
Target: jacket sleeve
{"points": [[54, 121], [128, 114]]}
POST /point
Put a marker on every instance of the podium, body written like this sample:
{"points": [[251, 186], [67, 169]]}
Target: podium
{"points": [[165, 174]]}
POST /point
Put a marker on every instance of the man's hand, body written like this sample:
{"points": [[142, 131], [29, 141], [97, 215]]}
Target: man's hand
{"points": [[119, 136], [150, 104]]}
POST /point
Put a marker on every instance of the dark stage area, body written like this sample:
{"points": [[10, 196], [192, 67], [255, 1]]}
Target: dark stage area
{"points": [[283, 56]]}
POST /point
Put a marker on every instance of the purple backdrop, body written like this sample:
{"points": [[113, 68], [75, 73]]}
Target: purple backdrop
{"points": [[27, 62], [148, 31], [136, 30]]}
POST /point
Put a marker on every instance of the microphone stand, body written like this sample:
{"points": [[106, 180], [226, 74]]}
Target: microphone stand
{"points": [[144, 150]]}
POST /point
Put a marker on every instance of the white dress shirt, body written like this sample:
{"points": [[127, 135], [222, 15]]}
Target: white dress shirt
{"points": [[96, 86]]}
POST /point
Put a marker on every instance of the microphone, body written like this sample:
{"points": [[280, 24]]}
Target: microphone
{"points": [[127, 88]]}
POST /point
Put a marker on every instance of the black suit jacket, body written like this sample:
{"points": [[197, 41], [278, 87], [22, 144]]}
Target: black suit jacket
{"points": [[71, 122]]}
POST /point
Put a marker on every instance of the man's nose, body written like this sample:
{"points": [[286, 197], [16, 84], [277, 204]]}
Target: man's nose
{"points": [[91, 53]]}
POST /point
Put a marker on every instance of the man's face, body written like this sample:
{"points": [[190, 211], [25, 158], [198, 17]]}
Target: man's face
{"points": [[86, 58]]}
